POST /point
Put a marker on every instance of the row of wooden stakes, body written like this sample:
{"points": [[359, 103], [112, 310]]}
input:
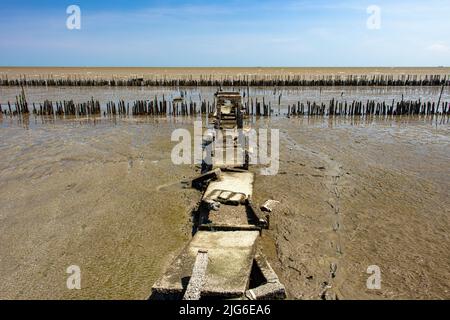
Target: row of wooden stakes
{"points": [[371, 107], [155, 107], [168, 108], [93, 107], [239, 81]]}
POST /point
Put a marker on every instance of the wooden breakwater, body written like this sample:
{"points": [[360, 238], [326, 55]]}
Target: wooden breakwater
{"points": [[253, 107], [50, 108], [167, 108], [93, 107], [371, 107], [235, 81]]}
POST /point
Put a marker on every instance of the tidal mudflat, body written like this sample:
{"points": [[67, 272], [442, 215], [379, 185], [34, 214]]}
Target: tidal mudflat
{"points": [[103, 194], [105, 197], [359, 194]]}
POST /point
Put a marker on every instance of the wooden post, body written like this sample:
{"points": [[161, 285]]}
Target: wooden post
{"points": [[439, 101]]}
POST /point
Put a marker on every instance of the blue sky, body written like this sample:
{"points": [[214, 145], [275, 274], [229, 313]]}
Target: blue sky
{"points": [[225, 33]]}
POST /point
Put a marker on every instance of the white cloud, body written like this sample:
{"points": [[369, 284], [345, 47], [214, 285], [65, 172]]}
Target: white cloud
{"points": [[439, 47]]}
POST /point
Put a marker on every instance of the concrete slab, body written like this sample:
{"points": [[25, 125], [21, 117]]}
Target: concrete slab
{"points": [[231, 215], [228, 185], [230, 255], [233, 156], [228, 227], [198, 181], [195, 285]]}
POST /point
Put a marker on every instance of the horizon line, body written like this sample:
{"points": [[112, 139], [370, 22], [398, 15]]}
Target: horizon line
{"points": [[221, 67]]}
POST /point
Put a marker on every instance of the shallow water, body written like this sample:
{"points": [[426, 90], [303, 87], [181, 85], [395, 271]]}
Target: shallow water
{"points": [[289, 95]]}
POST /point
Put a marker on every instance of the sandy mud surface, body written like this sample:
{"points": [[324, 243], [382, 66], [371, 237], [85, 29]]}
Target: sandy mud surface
{"points": [[355, 195], [105, 196]]}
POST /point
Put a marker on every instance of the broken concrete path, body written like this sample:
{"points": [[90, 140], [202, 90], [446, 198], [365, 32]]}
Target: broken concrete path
{"points": [[233, 187], [230, 259]]}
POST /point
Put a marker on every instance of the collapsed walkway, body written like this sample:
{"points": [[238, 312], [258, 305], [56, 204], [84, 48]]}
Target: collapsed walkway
{"points": [[222, 260]]}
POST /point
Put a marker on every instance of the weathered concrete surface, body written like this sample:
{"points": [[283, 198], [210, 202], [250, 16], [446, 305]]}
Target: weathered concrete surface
{"points": [[268, 291], [269, 205], [230, 261], [261, 220], [195, 285], [232, 215], [271, 288], [226, 109], [265, 268], [234, 182], [228, 156], [198, 181], [229, 227]]}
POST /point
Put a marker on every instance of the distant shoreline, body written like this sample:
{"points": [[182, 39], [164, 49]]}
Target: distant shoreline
{"points": [[223, 76], [58, 70]]}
